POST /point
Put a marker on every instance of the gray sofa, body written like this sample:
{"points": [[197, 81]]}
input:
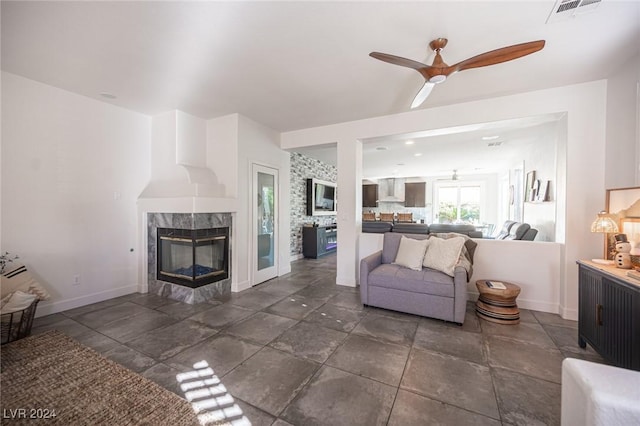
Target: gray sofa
{"points": [[517, 231], [428, 292], [379, 227]]}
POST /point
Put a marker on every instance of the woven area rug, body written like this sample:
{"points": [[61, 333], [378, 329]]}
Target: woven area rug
{"points": [[51, 372]]}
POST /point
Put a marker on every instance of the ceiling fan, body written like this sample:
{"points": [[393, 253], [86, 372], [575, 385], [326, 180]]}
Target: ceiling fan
{"points": [[438, 71]]}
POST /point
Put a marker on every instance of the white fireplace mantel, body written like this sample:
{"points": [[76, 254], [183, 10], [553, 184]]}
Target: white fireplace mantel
{"points": [[187, 205]]}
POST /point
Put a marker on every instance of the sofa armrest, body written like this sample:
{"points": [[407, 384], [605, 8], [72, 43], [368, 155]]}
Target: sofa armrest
{"points": [[367, 265], [460, 294]]}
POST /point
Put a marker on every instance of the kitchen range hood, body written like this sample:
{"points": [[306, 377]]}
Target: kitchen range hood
{"points": [[391, 190]]}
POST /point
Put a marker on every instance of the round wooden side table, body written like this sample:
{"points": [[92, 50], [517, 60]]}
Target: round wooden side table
{"points": [[498, 305]]}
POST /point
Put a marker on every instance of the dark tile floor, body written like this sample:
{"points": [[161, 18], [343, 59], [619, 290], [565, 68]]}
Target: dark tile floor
{"points": [[300, 350]]}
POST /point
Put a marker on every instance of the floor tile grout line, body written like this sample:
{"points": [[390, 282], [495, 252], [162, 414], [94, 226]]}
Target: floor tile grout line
{"points": [[366, 313], [495, 394], [497, 367], [404, 370]]}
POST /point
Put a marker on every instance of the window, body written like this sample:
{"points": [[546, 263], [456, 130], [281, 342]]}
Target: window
{"points": [[459, 202]]}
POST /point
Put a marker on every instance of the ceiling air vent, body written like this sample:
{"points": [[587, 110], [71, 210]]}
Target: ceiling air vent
{"points": [[566, 9]]}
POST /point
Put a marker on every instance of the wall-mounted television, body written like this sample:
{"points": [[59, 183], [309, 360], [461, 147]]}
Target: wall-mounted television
{"points": [[321, 198]]}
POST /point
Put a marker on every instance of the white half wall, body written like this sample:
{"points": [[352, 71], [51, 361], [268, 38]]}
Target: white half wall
{"points": [[72, 168], [580, 188], [532, 265]]}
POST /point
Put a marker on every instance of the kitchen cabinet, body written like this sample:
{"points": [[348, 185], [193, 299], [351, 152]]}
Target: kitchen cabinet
{"points": [[370, 195], [414, 194]]}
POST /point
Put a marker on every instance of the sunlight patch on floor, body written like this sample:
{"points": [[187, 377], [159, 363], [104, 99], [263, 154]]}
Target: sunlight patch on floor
{"points": [[209, 397]]}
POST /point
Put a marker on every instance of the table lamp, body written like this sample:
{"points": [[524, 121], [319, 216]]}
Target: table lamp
{"points": [[605, 225]]}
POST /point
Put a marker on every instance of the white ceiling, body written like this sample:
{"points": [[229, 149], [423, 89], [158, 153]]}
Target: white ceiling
{"points": [[292, 65]]}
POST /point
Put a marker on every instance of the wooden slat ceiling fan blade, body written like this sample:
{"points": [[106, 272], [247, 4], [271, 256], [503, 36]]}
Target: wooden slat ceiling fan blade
{"points": [[438, 71], [499, 55], [397, 60]]}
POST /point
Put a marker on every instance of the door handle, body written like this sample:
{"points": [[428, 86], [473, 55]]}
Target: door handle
{"points": [[598, 314]]}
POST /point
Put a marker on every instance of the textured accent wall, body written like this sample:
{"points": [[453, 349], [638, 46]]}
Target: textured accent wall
{"points": [[303, 168]]}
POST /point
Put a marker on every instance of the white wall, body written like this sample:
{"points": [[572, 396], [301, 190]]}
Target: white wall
{"points": [[222, 154], [541, 157], [579, 189], [191, 140], [258, 144], [72, 168], [513, 261], [622, 124]]}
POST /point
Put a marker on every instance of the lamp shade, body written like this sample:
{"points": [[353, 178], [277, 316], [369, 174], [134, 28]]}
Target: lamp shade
{"points": [[604, 224]]}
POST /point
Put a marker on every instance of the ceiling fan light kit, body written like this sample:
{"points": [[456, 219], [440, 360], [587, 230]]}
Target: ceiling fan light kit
{"points": [[438, 71]]}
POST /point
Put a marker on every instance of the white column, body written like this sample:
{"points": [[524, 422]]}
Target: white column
{"points": [[349, 210]]}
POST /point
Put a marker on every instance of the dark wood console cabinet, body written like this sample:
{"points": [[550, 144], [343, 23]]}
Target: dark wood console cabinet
{"points": [[319, 240], [609, 313]]}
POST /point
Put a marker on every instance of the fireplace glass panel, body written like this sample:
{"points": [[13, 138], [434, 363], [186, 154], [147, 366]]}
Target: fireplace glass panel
{"points": [[193, 257]]}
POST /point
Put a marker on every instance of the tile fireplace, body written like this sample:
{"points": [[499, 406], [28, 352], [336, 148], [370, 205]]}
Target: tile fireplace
{"points": [[193, 257], [189, 255]]}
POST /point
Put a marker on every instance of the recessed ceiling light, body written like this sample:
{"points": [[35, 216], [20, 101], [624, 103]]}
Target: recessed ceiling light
{"points": [[490, 138], [417, 154], [381, 148], [409, 142], [108, 95]]}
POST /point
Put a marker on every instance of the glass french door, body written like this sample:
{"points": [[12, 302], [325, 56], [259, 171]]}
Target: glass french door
{"points": [[265, 223]]}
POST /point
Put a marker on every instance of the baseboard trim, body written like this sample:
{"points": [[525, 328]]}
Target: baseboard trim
{"points": [[244, 285], [285, 269], [569, 314], [296, 256], [346, 281], [48, 308]]}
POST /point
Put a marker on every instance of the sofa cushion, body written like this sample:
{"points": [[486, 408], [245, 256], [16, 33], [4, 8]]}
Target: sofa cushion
{"points": [[411, 253], [517, 231], [504, 232], [411, 228], [443, 254], [377, 227], [460, 228], [391, 244], [427, 281]]}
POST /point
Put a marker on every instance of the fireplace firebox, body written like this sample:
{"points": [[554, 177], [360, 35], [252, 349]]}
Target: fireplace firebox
{"points": [[193, 257]]}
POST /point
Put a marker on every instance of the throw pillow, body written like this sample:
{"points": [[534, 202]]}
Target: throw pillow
{"points": [[411, 253], [18, 301], [20, 279], [442, 255], [5, 300]]}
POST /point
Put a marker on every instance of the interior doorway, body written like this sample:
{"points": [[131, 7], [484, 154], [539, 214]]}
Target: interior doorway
{"points": [[265, 223]]}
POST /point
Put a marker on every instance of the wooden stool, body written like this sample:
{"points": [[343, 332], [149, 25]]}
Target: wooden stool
{"points": [[498, 305]]}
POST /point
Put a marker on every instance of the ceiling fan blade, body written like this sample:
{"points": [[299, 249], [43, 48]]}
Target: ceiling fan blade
{"points": [[422, 94], [497, 56], [397, 60]]}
